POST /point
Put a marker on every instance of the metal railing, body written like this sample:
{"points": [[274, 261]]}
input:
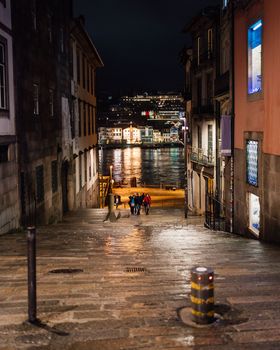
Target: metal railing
{"points": [[202, 156], [214, 213]]}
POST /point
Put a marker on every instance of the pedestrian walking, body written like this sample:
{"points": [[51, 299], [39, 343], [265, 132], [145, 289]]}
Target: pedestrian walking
{"points": [[147, 203], [117, 200], [137, 204], [132, 204]]}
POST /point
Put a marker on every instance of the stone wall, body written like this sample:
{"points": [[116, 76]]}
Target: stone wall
{"points": [[9, 211], [268, 191]]}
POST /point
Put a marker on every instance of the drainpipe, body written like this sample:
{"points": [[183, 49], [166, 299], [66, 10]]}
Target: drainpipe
{"points": [[232, 121]]}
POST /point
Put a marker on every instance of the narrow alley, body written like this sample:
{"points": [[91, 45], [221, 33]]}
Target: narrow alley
{"points": [[129, 280]]}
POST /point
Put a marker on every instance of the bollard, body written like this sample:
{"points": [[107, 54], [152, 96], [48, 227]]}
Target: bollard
{"points": [[202, 295], [110, 202], [31, 261]]}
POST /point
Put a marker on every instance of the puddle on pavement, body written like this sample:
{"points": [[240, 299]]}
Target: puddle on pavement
{"points": [[225, 315]]}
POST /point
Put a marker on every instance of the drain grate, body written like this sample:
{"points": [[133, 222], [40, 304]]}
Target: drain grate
{"points": [[66, 271], [135, 269]]}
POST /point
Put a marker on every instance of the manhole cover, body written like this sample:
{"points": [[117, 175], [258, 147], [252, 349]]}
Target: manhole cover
{"points": [[67, 271], [135, 269]]}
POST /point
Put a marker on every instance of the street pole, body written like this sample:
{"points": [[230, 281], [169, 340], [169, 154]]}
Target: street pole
{"points": [[31, 262], [102, 189], [186, 167]]}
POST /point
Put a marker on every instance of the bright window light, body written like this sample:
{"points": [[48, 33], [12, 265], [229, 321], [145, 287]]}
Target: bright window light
{"points": [[255, 58]]}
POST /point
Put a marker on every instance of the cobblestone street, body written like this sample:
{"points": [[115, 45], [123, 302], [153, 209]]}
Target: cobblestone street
{"points": [[134, 277]]}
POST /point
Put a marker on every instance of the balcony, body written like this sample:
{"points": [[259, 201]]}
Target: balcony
{"points": [[221, 84], [202, 156], [206, 59], [205, 106]]}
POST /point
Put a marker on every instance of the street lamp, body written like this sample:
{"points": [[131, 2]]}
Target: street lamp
{"points": [[185, 129]]}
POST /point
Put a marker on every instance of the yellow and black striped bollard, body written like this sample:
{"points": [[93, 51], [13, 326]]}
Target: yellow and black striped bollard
{"points": [[202, 295]]}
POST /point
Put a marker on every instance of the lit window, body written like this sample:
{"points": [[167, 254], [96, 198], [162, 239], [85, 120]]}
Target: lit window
{"points": [[225, 3], [255, 58], [254, 213], [36, 99], [3, 86], [252, 151]]}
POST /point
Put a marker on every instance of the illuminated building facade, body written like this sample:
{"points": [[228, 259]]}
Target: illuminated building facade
{"points": [[82, 173], [257, 110]]}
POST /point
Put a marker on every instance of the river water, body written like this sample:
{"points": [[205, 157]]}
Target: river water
{"points": [[151, 167]]}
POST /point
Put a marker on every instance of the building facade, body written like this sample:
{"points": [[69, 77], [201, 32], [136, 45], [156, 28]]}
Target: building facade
{"points": [[83, 183], [42, 85], [257, 109], [9, 208], [201, 157]]}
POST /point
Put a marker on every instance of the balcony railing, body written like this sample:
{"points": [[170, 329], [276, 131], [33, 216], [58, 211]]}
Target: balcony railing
{"points": [[221, 84], [205, 106], [202, 156]]}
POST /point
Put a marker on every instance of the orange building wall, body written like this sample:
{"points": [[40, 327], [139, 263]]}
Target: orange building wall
{"points": [[262, 114], [272, 76]]}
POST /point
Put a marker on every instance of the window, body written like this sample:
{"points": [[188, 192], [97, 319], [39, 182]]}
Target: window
{"points": [[89, 118], [252, 150], [50, 36], [36, 99], [84, 71], [80, 172], [40, 183], [93, 119], [254, 213], [199, 137], [198, 50], [85, 119], [54, 176], [255, 58], [225, 3], [80, 117], [4, 153], [210, 42], [78, 67], [88, 77], [3, 78], [210, 142], [92, 81], [34, 14], [85, 163], [51, 102], [61, 39]]}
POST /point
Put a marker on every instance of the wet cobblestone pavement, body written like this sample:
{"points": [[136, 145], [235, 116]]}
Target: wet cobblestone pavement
{"points": [[134, 276]]}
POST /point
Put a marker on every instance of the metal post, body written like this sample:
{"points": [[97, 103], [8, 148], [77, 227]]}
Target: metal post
{"points": [[202, 295], [31, 261], [102, 188], [186, 171]]}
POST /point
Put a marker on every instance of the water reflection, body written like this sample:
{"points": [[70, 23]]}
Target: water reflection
{"points": [[149, 166]]}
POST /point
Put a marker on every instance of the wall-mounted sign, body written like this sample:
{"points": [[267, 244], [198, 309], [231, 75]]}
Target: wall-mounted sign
{"points": [[252, 152]]}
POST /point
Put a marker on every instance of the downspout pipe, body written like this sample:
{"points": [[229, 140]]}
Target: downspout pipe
{"points": [[232, 114]]}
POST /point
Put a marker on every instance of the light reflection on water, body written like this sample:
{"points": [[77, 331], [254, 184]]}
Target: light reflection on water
{"points": [[149, 166]]}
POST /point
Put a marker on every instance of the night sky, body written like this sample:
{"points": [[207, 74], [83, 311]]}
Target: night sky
{"points": [[139, 41]]}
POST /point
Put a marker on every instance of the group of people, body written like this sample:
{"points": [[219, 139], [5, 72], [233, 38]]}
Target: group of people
{"points": [[136, 201]]}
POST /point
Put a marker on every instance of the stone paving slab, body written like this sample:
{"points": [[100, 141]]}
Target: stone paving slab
{"points": [[135, 277]]}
